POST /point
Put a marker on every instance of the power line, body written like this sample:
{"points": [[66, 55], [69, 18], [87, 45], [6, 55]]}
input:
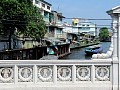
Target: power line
{"points": [[89, 18], [66, 17], [63, 25]]}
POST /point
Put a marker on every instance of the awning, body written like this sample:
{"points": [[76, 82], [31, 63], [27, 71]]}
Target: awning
{"points": [[52, 39]]}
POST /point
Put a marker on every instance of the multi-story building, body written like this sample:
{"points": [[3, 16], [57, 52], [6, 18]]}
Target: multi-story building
{"points": [[80, 30], [84, 27], [45, 9], [71, 32], [53, 19], [87, 27], [56, 25]]}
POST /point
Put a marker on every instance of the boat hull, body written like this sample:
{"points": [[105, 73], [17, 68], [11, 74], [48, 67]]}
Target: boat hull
{"points": [[93, 51]]}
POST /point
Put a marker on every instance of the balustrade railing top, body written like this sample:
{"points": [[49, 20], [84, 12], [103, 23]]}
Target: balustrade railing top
{"points": [[35, 71], [94, 61]]}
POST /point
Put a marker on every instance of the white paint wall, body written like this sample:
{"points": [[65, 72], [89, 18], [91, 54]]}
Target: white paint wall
{"points": [[39, 5]]}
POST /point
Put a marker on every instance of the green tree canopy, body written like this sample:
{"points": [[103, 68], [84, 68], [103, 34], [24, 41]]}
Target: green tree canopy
{"points": [[23, 16], [104, 34]]}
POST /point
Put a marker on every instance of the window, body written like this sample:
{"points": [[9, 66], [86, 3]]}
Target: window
{"points": [[85, 28], [43, 5], [92, 33], [36, 1], [48, 7], [59, 19], [83, 25], [59, 31], [46, 15]]}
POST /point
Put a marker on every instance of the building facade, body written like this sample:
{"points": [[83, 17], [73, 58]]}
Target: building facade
{"points": [[52, 18], [80, 30], [45, 9], [87, 27]]}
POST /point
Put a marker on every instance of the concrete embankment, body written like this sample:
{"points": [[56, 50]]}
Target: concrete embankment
{"points": [[72, 48], [62, 55], [75, 47]]}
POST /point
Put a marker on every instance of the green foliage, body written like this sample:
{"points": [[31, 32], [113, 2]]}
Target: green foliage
{"points": [[23, 16], [104, 34]]}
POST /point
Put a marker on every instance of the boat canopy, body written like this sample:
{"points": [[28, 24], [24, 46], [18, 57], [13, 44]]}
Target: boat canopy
{"points": [[94, 46]]}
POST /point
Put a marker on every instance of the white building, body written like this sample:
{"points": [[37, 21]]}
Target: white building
{"points": [[45, 9], [53, 19], [80, 28], [87, 27], [71, 32]]}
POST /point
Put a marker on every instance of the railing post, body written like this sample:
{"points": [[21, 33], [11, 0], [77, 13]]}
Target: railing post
{"points": [[54, 74], [35, 74], [115, 37], [73, 73], [15, 74], [115, 77], [93, 73], [119, 48]]}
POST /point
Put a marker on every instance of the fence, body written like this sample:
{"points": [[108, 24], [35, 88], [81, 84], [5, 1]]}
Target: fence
{"points": [[46, 74], [33, 53]]}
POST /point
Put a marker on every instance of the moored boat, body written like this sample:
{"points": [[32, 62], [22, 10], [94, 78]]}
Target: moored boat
{"points": [[93, 49]]}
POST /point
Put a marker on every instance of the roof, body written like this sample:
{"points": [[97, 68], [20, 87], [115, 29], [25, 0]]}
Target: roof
{"points": [[116, 7], [56, 26], [94, 46], [46, 2], [52, 39], [59, 14], [114, 10]]}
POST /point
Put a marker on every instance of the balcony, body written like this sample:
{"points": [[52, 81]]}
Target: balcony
{"points": [[60, 36], [49, 35]]}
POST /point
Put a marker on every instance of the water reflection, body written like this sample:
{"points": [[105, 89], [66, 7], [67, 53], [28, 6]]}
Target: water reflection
{"points": [[88, 56], [79, 54]]}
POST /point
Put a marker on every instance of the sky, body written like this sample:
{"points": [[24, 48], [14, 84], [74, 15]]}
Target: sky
{"points": [[88, 9]]}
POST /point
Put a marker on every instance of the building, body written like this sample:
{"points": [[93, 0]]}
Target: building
{"points": [[55, 27], [87, 27], [45, 9], [71, 32], [80, 30], [52, 18]]}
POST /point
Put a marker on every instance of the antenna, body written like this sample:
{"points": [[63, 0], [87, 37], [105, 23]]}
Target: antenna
{"points": [[58, 7]]}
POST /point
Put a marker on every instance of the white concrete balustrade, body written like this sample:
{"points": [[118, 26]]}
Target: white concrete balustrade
{"points": [[39, 75]]}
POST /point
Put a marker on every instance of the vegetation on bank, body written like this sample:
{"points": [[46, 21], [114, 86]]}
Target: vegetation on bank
{"points": [[104, 34], [22, 17]]}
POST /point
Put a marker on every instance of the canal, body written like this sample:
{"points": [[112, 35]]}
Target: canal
{"points": [[79, 54]]}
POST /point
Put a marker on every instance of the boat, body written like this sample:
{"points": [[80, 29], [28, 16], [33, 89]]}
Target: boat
{"points": [[93, 49]]}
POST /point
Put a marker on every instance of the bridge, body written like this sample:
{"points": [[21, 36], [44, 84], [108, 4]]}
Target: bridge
{"points": [[100, 73]]}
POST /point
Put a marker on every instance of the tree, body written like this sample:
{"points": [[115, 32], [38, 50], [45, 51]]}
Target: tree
{"points": [[23, 16], [104, 34]]}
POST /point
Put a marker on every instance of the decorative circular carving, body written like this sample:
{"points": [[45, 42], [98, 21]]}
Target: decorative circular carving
{"points": [[64, 73], [6, 74], [45, 73], [102, 73], [25, 74], [83, 73]]}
